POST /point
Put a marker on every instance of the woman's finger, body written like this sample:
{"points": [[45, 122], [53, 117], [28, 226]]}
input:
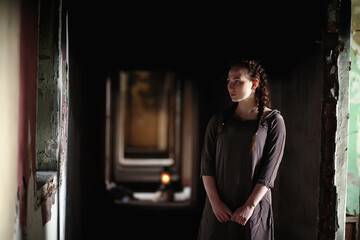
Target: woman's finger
{"points": [[243, 221], [219, 218], [229, 212], [224, 217]]}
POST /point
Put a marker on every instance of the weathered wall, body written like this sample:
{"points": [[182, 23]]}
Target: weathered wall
{"points": [[335, 114], [28, 212], [48, 121]]}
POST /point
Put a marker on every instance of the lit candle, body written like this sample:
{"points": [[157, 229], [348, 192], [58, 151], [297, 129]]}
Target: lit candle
{"points": [[165, 178]]}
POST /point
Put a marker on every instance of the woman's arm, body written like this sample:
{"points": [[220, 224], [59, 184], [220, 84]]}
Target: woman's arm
{"points": [[221, 211], [243, 213]]}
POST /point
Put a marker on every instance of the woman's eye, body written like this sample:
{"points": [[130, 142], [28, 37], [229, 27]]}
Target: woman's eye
{"points": [[234, 82]]}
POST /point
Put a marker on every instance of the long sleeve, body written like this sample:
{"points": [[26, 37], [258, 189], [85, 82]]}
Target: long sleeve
{"points": [[273, 151]]}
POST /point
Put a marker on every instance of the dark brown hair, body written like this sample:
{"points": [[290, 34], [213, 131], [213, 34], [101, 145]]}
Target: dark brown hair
{"points": [[256, 71]]}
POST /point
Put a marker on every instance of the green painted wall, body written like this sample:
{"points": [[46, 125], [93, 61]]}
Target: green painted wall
{"points": [[353, 186]]}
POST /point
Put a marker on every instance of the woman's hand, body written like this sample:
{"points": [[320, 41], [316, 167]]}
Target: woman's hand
{"points": [[243, 214], [221, 211]]}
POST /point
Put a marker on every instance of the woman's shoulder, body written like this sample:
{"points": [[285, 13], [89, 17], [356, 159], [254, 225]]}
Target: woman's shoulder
{"points": [[274, 117], [272, 113]]}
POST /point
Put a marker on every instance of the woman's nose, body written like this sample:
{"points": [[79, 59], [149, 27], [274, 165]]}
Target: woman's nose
{"points": [[231, 85]]}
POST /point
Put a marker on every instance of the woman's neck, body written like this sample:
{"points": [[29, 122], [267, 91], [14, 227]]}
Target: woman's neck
{"points": [[247, 110]]}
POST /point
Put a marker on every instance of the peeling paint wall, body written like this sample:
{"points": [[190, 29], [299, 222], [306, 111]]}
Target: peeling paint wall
{"points": [[353, 186], [47, 139], [335, 119], [63, 88], [42, 212], [27, 210]]}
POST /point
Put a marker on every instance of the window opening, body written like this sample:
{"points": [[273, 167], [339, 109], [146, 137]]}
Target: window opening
{"points": [[150, 130], [146, 120]]}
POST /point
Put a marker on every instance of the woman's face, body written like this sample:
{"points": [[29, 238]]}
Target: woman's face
{"points": [[239, 84]]}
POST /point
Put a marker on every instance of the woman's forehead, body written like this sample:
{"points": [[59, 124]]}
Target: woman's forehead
{"points": [[238, 72]]}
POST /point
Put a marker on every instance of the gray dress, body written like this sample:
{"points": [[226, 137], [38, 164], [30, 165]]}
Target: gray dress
{"points": [[228, 157]]}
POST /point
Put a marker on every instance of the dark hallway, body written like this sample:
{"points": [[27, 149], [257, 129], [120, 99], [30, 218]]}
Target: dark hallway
{"points": [[100, 41], [196, 43]]}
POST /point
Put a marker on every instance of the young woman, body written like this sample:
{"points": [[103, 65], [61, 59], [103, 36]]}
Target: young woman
{"points": [[242, 151]]}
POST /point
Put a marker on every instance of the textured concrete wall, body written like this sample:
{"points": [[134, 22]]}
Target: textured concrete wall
{"points": [[335, 105], [48, 121]]}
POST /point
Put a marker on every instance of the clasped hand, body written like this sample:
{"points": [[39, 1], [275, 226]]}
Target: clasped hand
{"points": [[224, 214]]}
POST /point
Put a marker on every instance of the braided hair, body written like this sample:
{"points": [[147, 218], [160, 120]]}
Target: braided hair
{"points": [[255, 71]]}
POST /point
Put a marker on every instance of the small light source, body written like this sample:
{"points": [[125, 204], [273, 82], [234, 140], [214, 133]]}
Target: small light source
{"points": [[165, 193], [165, 178]]}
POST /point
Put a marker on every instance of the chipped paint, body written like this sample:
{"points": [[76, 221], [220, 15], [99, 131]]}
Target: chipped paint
{"points": [[64, 79], [335, 123], [42, 211], [48, 112], [47, 190], [46, 209], [46, 198], [342, 121]]}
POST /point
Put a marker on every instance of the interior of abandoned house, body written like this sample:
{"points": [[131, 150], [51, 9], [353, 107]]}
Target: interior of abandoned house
{"points": [[105, 105]]}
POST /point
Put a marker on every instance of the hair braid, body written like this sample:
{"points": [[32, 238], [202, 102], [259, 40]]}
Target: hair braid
{"points": [[261, 94]]}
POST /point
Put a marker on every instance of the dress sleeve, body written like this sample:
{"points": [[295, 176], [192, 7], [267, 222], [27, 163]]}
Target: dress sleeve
{"points": [[273, 151], [209, 148]]}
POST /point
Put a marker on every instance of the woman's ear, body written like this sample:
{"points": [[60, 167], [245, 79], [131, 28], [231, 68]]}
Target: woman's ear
{"points": [[255, 83]]}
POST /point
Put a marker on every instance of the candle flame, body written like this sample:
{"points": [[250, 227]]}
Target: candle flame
{"points": [[165, 178]]}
